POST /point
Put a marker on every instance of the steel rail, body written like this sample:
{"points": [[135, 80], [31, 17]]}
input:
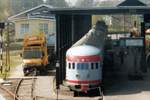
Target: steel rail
{"points": [[17, 88], [32, 88], [10, 93]]}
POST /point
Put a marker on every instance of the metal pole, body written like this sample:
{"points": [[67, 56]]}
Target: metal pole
{"points": [[57, 94], [72, 28], [8, 56], [124, 25], [6, 49], [58, 44], [1, 51], [57, 77], [2, 26], [7, 65], [143, 67]]}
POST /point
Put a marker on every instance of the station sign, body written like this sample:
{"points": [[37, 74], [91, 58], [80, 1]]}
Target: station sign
{"points": [[132, 42]]}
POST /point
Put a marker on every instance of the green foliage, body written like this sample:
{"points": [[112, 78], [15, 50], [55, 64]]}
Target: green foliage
{"points": [[85, 3], [57, 3], [22, 5], [4, 9], [11, 7]]}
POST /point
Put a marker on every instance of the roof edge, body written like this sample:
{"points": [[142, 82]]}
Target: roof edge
{"points": [[26, 11], [131, 3]]}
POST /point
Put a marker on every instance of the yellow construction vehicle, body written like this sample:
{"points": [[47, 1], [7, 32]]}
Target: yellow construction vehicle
{"points": [[34, 54]]}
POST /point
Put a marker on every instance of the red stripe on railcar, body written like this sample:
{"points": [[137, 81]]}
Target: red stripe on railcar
{"points": [[84, 82], [83, 58]]}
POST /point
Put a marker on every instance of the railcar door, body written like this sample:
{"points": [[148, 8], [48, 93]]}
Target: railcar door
{"points": [[83, 71]]}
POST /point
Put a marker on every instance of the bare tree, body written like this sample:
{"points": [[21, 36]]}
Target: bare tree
{"points": [[84, 3], [4, 9]]}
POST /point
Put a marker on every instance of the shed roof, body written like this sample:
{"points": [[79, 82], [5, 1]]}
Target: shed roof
{"points": [[132, 3], [125, 7], [103, 10]]}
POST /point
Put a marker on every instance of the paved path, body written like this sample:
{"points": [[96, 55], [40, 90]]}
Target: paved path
{"points": [[44, 86], [122, 90], [130, 90]]}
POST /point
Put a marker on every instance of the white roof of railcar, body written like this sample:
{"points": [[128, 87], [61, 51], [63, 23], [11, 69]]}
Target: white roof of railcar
{"points": [[83, 50]]}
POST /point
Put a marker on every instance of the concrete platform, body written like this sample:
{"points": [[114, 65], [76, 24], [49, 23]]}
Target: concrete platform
{"points": [[125, 89], [65, 94], [44, 86]]}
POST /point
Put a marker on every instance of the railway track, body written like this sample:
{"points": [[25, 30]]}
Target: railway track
{"points": [[8, 94], [25, 89]]}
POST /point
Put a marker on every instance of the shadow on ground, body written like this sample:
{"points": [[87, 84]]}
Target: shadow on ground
{"points": [[119, 84]]}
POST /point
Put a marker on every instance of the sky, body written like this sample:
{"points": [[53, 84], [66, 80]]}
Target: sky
{"points": [[44, 0], [72, 2]]}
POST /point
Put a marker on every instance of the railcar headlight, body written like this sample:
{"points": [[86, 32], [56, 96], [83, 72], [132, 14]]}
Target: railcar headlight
{"points": [[77, 75]]}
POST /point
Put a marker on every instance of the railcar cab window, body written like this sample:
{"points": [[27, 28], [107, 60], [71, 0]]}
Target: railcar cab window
{"points": [[86, 66], [69, 65], [82, 66], [73, 65], [94, 65], [78, 65]]}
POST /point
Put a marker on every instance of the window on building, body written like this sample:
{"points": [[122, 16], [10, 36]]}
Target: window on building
{"points": [[53, 27], [24, 28], [43, 27]]}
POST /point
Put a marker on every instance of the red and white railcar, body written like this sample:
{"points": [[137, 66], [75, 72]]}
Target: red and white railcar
{"points": [[84, 67]]}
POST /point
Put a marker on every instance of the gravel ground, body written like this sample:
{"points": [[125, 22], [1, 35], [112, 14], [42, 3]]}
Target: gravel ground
{"points": [[44, 86]]}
